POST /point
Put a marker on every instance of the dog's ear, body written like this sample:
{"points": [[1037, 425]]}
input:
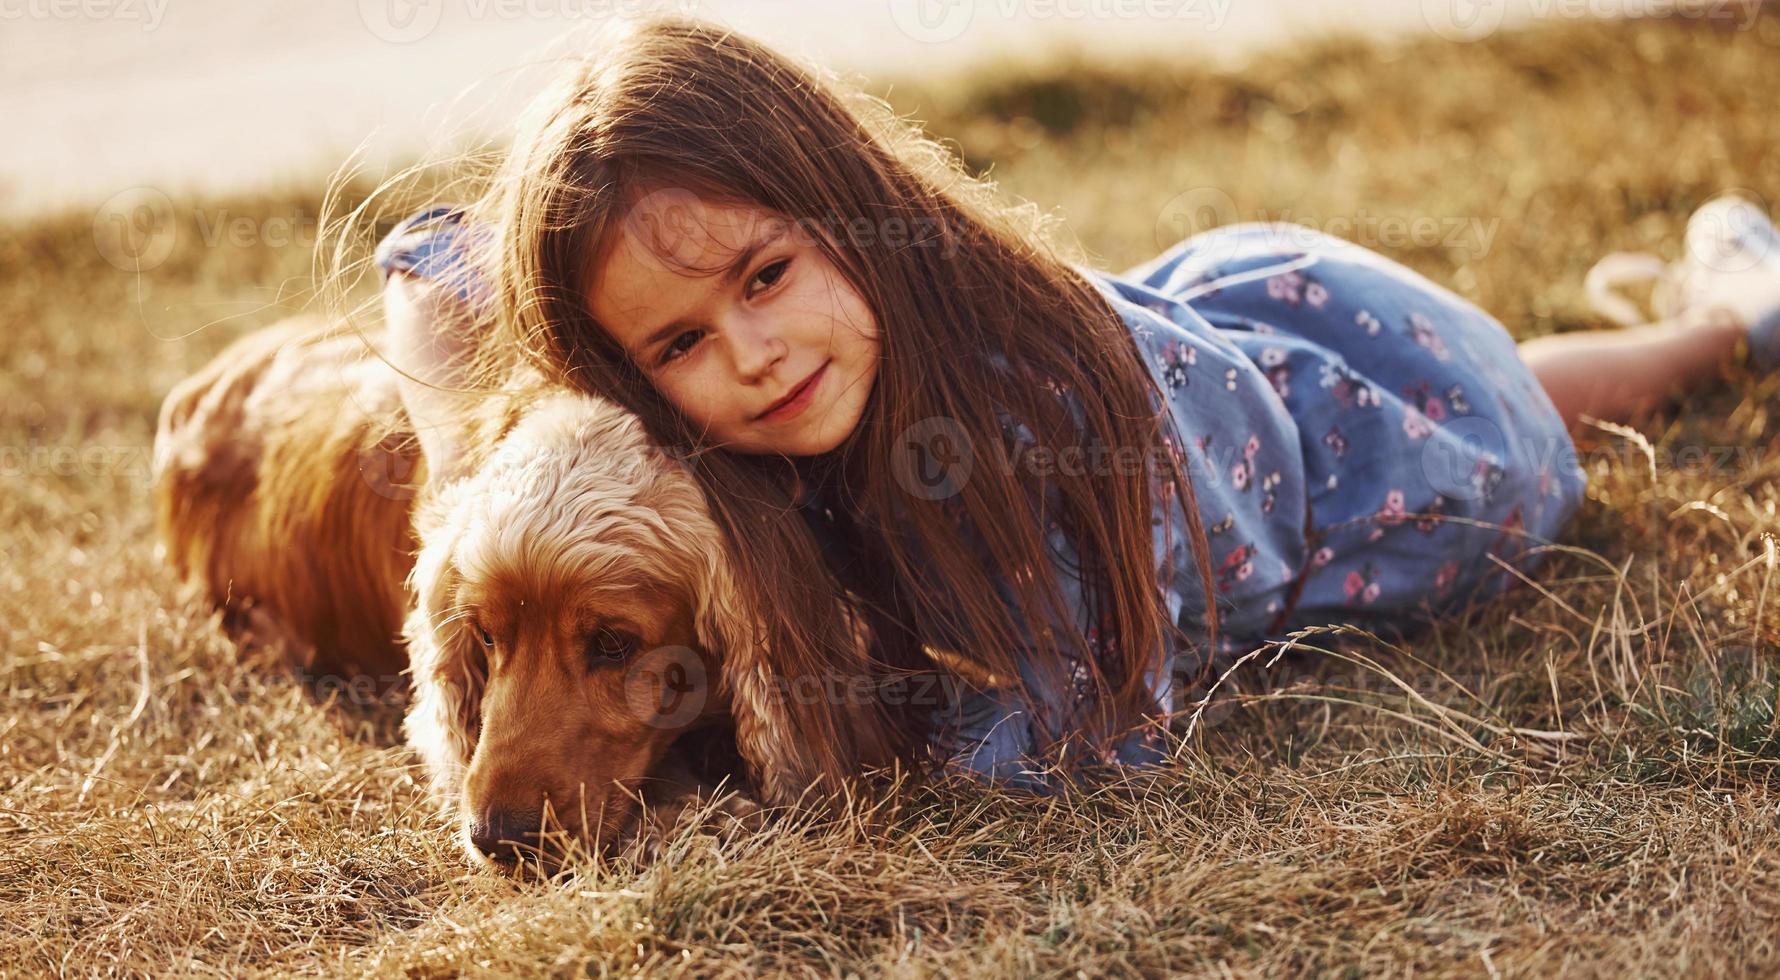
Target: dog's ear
{"points": [[780, 767], [449, 669]]}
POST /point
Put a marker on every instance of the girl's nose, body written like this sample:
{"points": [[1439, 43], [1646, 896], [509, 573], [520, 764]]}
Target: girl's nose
{"points": [[756, 347]]}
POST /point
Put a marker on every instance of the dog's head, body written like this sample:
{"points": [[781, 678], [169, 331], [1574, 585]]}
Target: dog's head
{"points": [[571, 607]]}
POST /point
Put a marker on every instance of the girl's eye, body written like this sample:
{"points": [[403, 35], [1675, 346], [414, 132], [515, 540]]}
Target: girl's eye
{"points": [[675, 349], [608, 645], [767, 277], [777, 270]]}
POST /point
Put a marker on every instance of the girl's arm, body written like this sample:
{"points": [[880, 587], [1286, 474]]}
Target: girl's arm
{"points": [[429, 329], [431, 289]]}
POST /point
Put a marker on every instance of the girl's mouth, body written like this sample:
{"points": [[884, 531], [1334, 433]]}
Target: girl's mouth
{"points": [[797, 399]]}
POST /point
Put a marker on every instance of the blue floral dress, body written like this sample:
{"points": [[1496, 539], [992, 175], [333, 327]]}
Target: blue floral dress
{"points": [[1365, 447]]}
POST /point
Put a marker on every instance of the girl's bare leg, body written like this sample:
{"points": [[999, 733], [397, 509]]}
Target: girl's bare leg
{"points": [[1724, 289], [1616, 375], [428, 342]]}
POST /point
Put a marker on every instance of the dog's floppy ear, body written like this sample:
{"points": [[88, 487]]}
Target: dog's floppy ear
{"points": [[449, 669], [780, 767]]}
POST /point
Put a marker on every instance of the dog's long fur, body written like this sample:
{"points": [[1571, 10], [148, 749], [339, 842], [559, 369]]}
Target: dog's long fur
{"points": [[279, 494], [288, 486]]}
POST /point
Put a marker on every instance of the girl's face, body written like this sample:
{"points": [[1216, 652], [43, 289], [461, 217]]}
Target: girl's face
{"points": [[774, 352]]}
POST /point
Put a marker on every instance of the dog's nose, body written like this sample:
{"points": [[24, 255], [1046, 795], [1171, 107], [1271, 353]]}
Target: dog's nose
{"points": [[505, 835]]}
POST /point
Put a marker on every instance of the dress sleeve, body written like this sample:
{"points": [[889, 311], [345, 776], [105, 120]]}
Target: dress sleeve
{"points": [[435, 245]]}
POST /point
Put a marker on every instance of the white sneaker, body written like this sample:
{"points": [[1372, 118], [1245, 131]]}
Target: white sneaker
{"points": [[1732, 265]]}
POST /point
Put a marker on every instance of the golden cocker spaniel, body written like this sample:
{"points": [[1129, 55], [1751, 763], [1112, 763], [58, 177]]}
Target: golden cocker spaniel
{"points": [[564, 608]]}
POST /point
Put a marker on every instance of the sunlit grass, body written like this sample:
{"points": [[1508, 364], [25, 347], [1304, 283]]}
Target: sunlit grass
{"points": [[1579, 777]]}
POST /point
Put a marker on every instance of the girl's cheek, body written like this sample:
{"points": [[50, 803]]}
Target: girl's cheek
{"points": [[682, 395], [841, 302]]}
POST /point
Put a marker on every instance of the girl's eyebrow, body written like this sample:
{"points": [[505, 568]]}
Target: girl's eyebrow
{"points": [[730, 275]]}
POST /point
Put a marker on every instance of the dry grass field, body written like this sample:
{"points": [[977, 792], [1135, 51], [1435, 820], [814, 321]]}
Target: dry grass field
{"points": [[1579, 781]]}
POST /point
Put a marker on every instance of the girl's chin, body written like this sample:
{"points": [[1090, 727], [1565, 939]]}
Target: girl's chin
{"points": [[811, 443], [813, 437]]}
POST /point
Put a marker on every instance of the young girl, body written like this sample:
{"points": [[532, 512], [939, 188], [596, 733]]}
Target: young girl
{"points": [[901, 401]]}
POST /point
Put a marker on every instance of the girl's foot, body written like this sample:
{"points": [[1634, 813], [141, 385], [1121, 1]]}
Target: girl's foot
{"points": [[1731, 272]]}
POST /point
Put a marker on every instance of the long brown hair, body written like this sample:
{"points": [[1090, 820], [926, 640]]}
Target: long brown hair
{"points": [[981, 321]]}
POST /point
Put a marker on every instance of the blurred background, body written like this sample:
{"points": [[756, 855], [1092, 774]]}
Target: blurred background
{"points": [[100, 95]]}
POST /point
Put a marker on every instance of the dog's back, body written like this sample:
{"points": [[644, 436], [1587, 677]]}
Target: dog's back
{"points": [[285, 479]]}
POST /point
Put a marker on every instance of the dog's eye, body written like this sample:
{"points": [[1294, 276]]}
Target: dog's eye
{"points": [[486, 637], [608, 645]]}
